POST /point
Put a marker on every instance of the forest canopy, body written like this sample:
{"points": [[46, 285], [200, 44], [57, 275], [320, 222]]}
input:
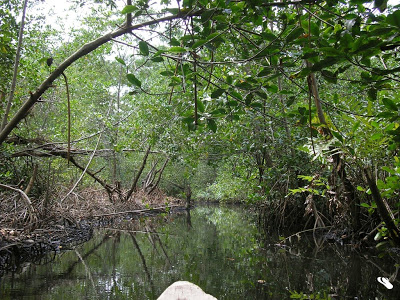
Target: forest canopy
{"points": [[290, 106]]}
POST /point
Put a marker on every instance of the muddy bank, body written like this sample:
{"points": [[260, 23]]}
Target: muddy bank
{"points": [[68, 223]]}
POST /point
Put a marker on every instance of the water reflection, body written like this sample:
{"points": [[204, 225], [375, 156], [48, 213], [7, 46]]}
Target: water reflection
{"points": [[218, 249]]}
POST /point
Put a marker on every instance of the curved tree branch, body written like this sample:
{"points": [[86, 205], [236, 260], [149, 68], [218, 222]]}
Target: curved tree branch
{"points": [[84, 50]]}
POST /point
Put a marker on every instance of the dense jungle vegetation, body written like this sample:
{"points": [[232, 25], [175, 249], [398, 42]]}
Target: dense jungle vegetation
{"points": [[289, 106]]}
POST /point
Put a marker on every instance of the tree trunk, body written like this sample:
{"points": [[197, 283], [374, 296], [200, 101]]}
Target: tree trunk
{"points": [[159, 176], [382, 209], [16, 64], [135, 181]]}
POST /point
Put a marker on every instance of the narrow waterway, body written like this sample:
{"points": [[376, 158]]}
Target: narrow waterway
{"points": [[217, 248]]}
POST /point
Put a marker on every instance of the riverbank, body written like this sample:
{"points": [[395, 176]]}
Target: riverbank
{"points": [[67, 223]]}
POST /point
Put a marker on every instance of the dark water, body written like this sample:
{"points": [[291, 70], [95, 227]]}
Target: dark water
{"points": [[217, 248]]}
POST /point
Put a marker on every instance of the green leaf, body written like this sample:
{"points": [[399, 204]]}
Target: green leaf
{"points": [[120, 60], [327, 62], [219, 111], [394, 18], [157, 59], [272, 88], [256, 104], [269, 36], [217, 93], [144, 48], [212, 125], [329, 76], [198, 44], [372, 93], [381, 4], [290, 101], [378, 236], [356, 126], [129, 9], [330, 51], [132, 79], [236, 95], [294, 34], [376, 136], [212, 36], [248, 99], [177, 49], [188, 120], [337, 135], [166, 73], [389, 104], [200, 106], [264, 72]]}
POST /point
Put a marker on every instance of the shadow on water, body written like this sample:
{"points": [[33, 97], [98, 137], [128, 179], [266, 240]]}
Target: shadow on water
{"points": [[217, 248]]}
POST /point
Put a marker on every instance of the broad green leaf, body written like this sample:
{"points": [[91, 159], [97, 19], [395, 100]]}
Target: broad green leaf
{"points": [[157, 59], [198, 44], [219, 111], [378, 236], [294, 34], [236, 95], [272, 88], [212, 36], [129, 9], [264, 72], [290, 101], [381, 4], [248, 99], [389, 104], [274, 60], [394, 18], [327, 62], [120, 60], [232, 103], [356, 126], [372, 93], [158, 53], [330, 51], [256, 104], [217, 93], [200, 106], [166, 73], [177, 49], [188, 120], [144, 48], [389, 170], [269, 36], [329, 76], [132, 79], [337, 135], [376, 136], [212, 125]]}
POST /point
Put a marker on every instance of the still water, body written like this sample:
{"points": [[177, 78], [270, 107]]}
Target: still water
{"points": [[217, 248]]}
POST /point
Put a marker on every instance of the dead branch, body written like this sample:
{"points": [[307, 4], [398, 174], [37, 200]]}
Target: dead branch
{"points": [[32, 180], [139, 211], [135, 181], [32, 212]]}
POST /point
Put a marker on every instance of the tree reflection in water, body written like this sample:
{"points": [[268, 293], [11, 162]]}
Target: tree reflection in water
{"points": [[217, 248]]}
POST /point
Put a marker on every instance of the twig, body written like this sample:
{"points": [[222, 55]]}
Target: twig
{"points": [[136, 211]]}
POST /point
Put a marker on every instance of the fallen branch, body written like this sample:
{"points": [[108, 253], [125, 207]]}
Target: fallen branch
{"points": [[139, 211]]}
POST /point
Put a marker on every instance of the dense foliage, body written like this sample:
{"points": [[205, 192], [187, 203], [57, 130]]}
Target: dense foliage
{"points": [[289, 105]]}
